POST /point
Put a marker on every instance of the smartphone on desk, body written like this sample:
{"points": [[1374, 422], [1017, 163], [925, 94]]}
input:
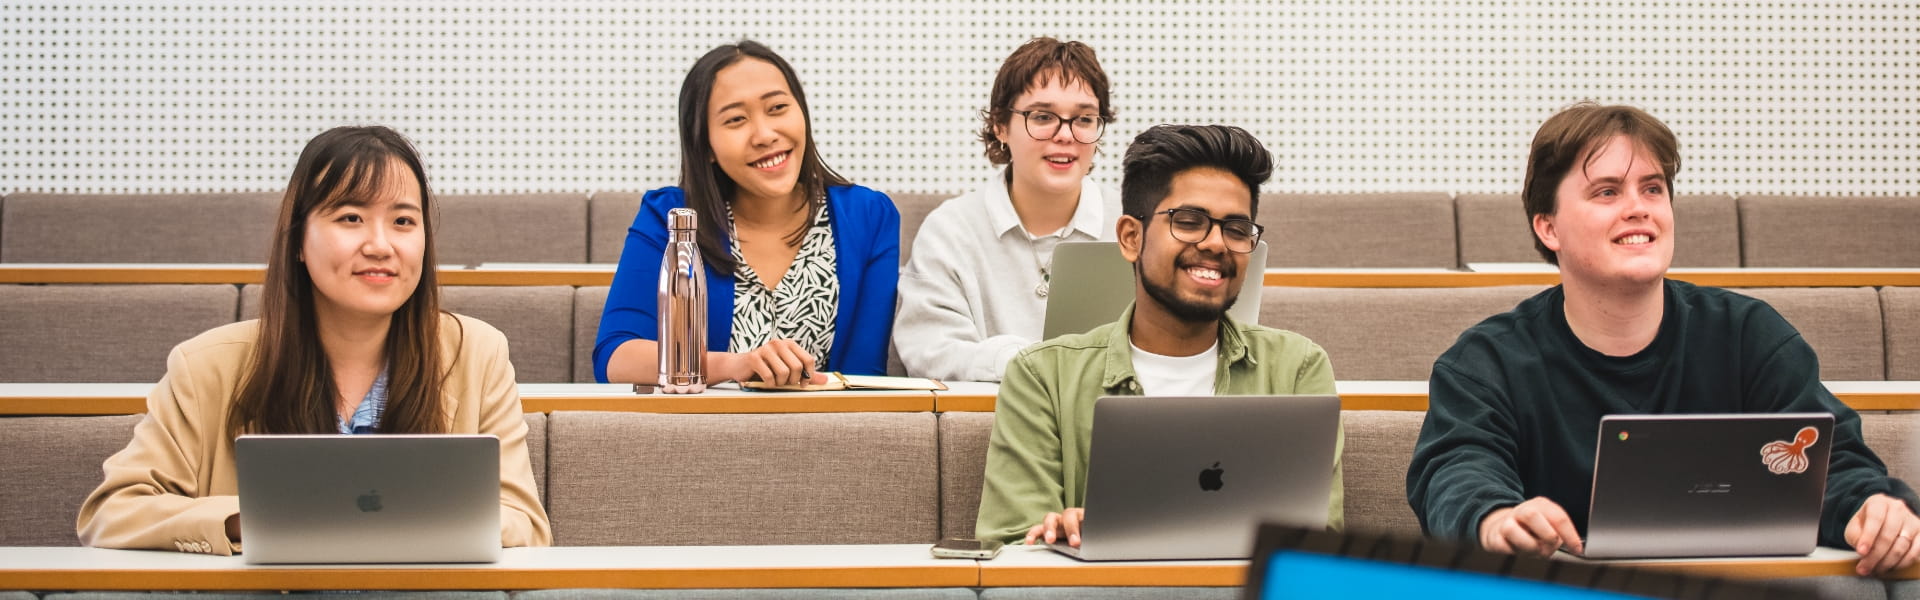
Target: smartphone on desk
{"points": [[967, 548]]}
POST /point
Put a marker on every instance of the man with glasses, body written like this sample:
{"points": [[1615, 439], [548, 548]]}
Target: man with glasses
{"points": [[1189, 195], [974, 289]]}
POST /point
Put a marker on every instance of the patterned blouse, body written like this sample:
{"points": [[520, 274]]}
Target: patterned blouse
{"points": [[801, 308]]}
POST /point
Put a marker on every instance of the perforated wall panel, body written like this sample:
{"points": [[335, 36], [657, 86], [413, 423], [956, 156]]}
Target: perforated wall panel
{"points": [[1352, 95]]}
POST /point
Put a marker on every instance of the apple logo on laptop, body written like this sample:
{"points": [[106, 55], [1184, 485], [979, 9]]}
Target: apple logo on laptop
{"points": [[1210, 478], [369, 502]]}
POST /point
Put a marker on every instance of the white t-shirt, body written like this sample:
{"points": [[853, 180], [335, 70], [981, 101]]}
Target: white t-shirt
{"points": [[1176, 375]]}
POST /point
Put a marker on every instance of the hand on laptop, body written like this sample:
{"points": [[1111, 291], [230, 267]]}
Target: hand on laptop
{"points": [[1058, 526], [1883, 533], [1537, 526], [778, 362]]}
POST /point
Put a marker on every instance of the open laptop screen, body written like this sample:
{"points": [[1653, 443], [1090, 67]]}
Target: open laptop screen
{"points": [[1309, 575]]}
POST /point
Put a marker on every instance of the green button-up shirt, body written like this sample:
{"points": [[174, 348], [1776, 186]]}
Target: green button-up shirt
{"points": [[1043, 419]]}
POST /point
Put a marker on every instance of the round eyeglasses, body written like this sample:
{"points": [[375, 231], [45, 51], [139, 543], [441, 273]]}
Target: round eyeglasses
{"points": [[1043, 125], [1192, 225]]}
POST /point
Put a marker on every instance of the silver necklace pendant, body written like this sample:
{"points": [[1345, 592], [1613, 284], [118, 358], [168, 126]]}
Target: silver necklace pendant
{"points": [[1046, 280]]}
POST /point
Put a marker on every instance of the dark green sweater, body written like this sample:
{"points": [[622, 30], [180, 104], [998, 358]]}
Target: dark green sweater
{"points": [[1515, 405]]}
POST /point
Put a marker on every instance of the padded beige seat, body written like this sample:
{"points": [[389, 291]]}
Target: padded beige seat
{"points": [[1385, 333], [1895, 437], [674, 479], [1815, 231], [609, 214], [913, 211], [1900, 310], [1842, 324], [588, 302], [1359, 230], [1494, 228], [103, 333], [1379, 448], [537, 452], [475, 229], [138, 228], [537, 320], [963, 467], [50, 464]]}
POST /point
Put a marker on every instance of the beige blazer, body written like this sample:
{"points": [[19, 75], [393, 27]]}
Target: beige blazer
{"points": [[173, 486]]}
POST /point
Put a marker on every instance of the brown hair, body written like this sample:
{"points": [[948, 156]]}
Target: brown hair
{"points": [[1039, 60], [708, 189], [1571, 136], [288, 384]]}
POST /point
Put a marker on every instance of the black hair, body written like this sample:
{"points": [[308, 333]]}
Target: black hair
{"points": [[1163, 151]]}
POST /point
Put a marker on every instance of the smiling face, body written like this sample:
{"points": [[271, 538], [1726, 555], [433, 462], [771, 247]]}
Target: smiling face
{"points": [[364, 254], [1613, 218], [757, 130], [1052, 166], [1195, 283]]}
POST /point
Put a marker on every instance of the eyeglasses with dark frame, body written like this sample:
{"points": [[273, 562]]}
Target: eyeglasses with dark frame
{"points": [[1192, 225], [1043, 125]]}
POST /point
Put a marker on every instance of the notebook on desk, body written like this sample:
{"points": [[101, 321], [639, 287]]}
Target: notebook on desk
{"points": [[1091, 283], [1193, 477], [1708, 485], [840, 381], [369, 498]]}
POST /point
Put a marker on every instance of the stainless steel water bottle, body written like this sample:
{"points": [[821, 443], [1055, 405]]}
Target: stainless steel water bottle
{"points": [[683, 308]]}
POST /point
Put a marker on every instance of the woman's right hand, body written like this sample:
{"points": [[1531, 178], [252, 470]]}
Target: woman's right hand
{"points": [[778, 362]]}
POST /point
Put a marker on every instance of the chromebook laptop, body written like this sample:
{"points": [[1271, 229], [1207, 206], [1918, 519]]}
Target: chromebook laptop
{"points": [[1091, 283], [1708, 485], [1193, 477], [369, 498]]}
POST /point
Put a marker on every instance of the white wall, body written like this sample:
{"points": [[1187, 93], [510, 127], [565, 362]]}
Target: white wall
{"points": [[1352, 95]]}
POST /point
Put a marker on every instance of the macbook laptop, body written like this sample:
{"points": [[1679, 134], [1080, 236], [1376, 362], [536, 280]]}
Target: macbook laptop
{"points": [[1193, 477], [1091, 283], [1708, 485], [369, 498]]}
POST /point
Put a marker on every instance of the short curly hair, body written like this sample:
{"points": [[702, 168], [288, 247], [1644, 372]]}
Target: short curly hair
{"points": [[1034, 63]]}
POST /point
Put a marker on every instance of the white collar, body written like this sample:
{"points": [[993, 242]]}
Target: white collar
{"points": [[1087, 216]]}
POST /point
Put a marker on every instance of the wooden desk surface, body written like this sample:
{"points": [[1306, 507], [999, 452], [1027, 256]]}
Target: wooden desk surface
{"points": [[662, 567], [78, 399], [131, 398], [904, 565], [1721, 277], [597, 274], [1027, 566], [584, 274], [1037, 566], [969, 396]]}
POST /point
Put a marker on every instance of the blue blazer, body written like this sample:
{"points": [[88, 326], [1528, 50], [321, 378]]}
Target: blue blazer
{"points": [[866, 239]]}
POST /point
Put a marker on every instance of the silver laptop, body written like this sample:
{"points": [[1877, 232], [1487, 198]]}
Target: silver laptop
{"points": [[1092, 283], [1708, 485], [1193, 477], [369, 498]]}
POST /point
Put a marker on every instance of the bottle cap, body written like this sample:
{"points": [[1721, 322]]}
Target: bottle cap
{"points": [[682, 219]]}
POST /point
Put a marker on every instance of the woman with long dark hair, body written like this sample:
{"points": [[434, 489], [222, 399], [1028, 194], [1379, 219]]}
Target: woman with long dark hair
{"points": [[350, 339], [801, 265]]}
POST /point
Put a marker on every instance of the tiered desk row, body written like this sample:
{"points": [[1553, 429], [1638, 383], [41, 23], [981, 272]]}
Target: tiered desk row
{"points": [[1383, 403], [77, 399], [684, 567]]}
